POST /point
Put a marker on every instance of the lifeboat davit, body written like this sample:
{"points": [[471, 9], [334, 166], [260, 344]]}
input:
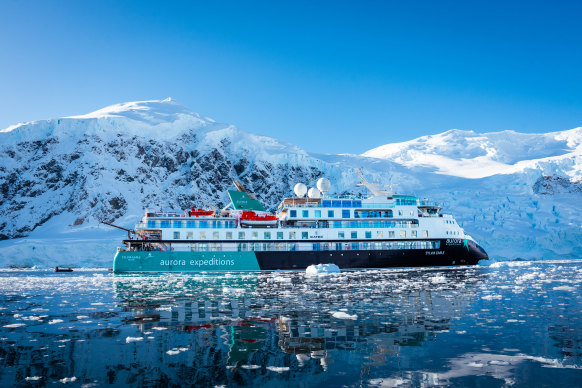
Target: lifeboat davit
{"points": [[258, 219], [201, 212]]}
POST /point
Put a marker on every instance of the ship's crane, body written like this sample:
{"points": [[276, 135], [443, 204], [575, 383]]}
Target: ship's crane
{"points": [[129, 231]]}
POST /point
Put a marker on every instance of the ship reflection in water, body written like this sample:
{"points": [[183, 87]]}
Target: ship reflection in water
{"points": [[514, 325]]}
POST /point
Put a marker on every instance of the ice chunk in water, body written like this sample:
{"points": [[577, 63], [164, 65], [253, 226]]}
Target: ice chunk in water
{"points": [[322, 269], [342, 315]]}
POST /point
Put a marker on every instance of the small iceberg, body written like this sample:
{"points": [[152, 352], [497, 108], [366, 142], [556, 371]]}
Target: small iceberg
{"points": [[342, 315], [133, 339], [322, 269]]}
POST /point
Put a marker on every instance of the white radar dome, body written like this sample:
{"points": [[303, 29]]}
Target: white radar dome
{"points": [[313, 193], [323, 185], [300, 189]]}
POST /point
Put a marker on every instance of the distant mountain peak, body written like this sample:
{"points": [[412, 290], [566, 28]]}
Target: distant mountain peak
{"points": [[150, 118], [152, 112]]}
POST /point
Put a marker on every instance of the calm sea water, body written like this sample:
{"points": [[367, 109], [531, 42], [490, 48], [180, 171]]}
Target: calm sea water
{"points": [[513, 324]]}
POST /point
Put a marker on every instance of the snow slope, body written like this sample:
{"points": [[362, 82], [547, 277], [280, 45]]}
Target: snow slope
{"points": [[517, 194], [472, 155]]}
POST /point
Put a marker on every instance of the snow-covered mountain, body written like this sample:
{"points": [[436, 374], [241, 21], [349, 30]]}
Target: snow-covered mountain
{"points": [[518, 194], [474, 155]]}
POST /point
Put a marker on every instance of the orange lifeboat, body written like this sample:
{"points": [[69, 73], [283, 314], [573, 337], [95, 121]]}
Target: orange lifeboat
{"points": [[200, 212], [252, 218]]}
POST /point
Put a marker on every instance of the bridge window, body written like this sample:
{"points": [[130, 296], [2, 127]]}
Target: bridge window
{"points": [[292, 213], [215, 236], [229, 235], [304, 235], [202, 235], [176, 235], [279, 235], [354, 234], [267, 235], [413, 233], [190, 235], [391, 234], [305, 213], [317, 213], [151, 224], [254, 235], [379, 234], [345, 214], [341, 235], [292, 235], [165, 224], [330, 213], [241, 235], [402, 233]]}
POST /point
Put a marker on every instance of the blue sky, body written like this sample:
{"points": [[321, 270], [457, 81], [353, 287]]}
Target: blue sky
{"points": [[331, 77]]}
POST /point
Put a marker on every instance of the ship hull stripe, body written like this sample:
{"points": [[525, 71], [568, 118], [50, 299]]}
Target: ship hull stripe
{"points": [[186, 261]]}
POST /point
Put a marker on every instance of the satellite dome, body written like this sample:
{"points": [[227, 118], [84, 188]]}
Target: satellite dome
{"points": [[323, 185], [300, 189], [313, 193]]}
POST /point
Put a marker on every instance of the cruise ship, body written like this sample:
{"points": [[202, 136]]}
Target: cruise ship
{"points": [[379, 230]]}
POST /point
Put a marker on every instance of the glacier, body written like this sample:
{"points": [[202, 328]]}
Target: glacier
{"points": [[518, 194]]}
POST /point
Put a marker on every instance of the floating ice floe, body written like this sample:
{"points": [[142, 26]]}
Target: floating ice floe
{"points": [[14, 325], [251, 366], [438, 279], [54, 321], [173, 352], [133, 339], [278, 369], [33, 378], [232, 290], [68, 380], [322, 269], [280, 279], [491, 297], [342, 315], [564, 288]]}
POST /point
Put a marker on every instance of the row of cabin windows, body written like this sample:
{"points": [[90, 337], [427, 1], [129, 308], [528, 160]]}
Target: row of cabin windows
{"points": [[346, 213], [217, 224], [341, 203], [293, 235], [335, 246], [375, 224]]}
